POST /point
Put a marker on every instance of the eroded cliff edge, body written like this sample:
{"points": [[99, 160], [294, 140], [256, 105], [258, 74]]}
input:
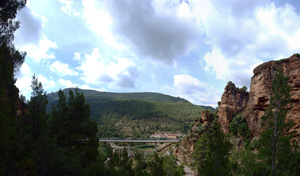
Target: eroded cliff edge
{"points": [[250, 105], [259, 96], [186, 147]]}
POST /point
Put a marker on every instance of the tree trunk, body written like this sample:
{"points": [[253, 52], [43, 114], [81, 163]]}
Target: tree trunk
{"points": [[275, 142]]}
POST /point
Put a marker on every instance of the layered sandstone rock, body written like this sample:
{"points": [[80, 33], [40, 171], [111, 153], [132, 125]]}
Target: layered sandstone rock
{"points": [[186, 147], [261, 90], [233, 102], [252, 106]]}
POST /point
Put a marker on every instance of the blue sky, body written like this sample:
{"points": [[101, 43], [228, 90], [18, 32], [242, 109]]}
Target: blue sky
{"points": [[185, 48]]}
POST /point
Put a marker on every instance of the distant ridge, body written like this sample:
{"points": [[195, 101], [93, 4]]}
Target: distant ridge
{"points": [[208, 108], [136, 115], [94, 95]]}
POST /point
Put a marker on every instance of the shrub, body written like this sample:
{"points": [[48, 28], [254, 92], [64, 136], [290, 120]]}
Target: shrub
{"points": [[244, 88], [239, 126]]}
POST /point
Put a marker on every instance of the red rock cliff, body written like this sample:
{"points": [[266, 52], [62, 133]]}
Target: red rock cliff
{"points": [[261, 89], [233, 102], [252, 106]]}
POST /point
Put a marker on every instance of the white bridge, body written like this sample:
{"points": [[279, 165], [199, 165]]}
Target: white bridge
{"points": [[155, 141]]}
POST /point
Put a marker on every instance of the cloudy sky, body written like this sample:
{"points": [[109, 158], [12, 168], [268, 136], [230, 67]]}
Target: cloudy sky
{"points": [[185, 48]]}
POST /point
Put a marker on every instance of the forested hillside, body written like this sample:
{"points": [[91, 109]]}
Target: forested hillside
{"points": [[136, 114]]}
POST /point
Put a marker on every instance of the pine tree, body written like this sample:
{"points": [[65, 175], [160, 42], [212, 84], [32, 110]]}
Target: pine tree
{"points": [[10, 62], [73, 127], [213, 157], [58, 120], [140, 166], [36, 120], [7, 15], [275, 149], [156, 166]]}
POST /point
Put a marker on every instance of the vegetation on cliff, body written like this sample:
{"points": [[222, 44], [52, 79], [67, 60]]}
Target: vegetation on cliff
{"points": [[212, 151], [275, 149], [275, 153]]}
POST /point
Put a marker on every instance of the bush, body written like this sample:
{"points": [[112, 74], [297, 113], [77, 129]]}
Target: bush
{"points": [[244, 88], [239, 126]]}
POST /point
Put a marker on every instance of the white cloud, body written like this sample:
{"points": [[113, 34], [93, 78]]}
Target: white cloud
{"points": [[23, 82], [84, 86], [30, 38], [24, 78], [77, 56], [119, 72], [47, 84], [62, 69], [40, 51], [93, 9], [149, 29], [66, 83], [217, 63], [195, 91], [67, 7], [241, 39]]}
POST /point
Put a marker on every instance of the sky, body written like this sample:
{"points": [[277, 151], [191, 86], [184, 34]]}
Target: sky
{"points": [[184, 48]]}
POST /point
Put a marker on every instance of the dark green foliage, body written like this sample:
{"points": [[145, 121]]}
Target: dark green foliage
{"points": [[10, 60], [211, 153], [7, 15], [134, 109], [202, 128], [244, 88], [140, 166], [156, 166], [29, 149], [250, 166], [275, 149], [279, 61], [72, 126], [119, 165], [239, 126], [171, 168], [35, 119]]}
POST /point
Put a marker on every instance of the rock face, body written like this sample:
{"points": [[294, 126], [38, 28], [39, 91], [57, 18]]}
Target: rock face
{"points": [[233, 102], [252, 106], [261, 89], [186, 147]]}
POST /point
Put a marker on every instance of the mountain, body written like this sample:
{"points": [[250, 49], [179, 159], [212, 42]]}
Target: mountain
{"points": [[92, 95], [136, 115]]}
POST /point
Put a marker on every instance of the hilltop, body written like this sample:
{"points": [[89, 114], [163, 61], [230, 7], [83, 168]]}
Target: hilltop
{"points": [[93, 95], [136, 115]]}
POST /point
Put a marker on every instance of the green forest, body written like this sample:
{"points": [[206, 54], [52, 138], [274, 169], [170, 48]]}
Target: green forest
{"points": [[136, 115]]}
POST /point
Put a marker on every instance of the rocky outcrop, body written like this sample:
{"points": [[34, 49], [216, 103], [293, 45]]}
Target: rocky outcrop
{"points": [[253, 105], [261, 90], [233, 102], [186, 146]]}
